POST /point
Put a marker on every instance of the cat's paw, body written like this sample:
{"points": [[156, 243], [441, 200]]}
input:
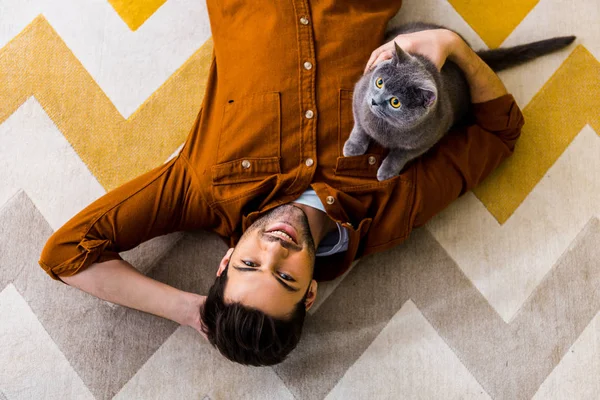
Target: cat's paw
{"points": [[385, 173], [352, 148]]}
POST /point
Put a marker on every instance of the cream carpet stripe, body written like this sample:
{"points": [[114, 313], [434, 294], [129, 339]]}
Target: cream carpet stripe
{"points": [[577, 376], [507, 262], [552, 18], [187, 367], [128, 66], [37, 158], [37, 63], [38, 370], [383, 371]]}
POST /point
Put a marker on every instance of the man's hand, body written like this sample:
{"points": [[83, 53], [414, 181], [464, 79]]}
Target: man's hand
{"points": [[120, 283], [196, 302], [435, 44], [441, 44]]}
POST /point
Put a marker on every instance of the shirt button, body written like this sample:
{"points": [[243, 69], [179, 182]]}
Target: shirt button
{"points": [[309, 114], [307, 65], [330, 200], [309, 162], [372, 160], [304, 21], [246, 164]]}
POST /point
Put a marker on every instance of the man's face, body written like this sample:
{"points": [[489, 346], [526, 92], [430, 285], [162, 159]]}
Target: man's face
{"points": [[272, 266]]}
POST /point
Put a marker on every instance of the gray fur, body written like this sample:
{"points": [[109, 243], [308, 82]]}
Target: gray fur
{"points": [[431, 101]]}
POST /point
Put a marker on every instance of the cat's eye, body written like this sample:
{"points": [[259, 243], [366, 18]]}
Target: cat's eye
{"points": [[395, 102], [379, 83]]}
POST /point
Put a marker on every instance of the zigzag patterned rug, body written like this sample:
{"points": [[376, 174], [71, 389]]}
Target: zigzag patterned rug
{"points": [[496, 298]]}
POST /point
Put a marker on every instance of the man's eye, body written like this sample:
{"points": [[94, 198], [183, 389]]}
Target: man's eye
{"points": [[286, 277], [249, 263]]}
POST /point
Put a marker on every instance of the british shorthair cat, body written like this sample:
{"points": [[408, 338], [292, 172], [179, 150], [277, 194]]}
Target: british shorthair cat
{"points": [[406, 105]]}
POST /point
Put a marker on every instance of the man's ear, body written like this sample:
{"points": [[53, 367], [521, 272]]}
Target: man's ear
{"points": [[224, 261], [311, 296]]}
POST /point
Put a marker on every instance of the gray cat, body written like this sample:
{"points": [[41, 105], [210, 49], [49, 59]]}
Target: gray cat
{"points": [[407, 105]]}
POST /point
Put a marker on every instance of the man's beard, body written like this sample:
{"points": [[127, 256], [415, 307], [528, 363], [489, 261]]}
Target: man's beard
{"points": [[290, 214]]}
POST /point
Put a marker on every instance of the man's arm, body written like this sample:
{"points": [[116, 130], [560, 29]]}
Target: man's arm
{"points": [[484, 84], [466, 155], [119, 282], [441, 44], [85, 251]]}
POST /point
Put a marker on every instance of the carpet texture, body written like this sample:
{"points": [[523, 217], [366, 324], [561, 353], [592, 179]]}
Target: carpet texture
{"points": [[498, 297]]}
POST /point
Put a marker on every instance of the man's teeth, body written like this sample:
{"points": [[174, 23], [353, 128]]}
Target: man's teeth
{"points": [[282, 234]]}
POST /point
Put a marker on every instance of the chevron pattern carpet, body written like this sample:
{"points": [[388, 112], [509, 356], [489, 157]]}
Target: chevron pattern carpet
{"points": [[496, 298]]}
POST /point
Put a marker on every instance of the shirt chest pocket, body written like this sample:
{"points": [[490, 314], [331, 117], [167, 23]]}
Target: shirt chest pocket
{"points": [[250, 128], [248, 152]]}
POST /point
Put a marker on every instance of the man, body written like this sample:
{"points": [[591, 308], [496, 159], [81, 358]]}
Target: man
{"points": [[263, 168]]}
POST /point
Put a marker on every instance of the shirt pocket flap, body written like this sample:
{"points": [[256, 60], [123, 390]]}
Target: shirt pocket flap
{"points": [[245, 170], [365, 165]]}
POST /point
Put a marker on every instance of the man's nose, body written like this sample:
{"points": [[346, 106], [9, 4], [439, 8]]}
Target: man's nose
{"points": [[276, 251]]}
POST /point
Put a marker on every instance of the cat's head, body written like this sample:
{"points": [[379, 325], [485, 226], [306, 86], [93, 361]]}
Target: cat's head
{"points": [[401, 90]]}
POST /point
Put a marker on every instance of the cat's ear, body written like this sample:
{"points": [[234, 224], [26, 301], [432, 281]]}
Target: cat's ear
{"points": [[401, 55], [428, 97]]}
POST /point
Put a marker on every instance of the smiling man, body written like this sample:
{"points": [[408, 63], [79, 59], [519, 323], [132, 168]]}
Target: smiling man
{"points": [[274, 259], [263, 168]]}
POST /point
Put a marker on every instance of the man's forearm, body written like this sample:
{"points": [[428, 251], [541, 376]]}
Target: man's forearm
{"points": [[484, 84], [119, 282], [439, 45]]}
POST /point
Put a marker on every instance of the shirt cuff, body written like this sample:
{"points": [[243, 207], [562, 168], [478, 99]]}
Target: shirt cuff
{"points": [[87, 252]]}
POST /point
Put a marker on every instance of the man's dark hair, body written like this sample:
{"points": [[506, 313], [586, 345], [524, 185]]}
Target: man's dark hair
{"points": [[246, 335]]}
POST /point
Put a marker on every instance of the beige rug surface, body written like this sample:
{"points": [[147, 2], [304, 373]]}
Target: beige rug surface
{"points": [[498, 297]]}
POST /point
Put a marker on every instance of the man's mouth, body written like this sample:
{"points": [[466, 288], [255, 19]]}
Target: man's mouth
{"points": [[284, 231]]}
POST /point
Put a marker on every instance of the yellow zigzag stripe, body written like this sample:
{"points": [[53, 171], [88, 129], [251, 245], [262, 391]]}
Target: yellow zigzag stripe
{"points": [[493, 20], [558, 112], [38, 63], [136, 12]]}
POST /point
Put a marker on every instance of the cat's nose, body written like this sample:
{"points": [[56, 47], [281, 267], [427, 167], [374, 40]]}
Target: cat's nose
{"points": [[373, 102]]}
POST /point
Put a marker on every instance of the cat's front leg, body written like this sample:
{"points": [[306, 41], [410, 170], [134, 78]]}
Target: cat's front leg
{"points": [[393, 164], [358, 142]]}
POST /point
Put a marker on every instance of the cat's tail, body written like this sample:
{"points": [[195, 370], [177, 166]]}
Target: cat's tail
{"points": [[500, 59]]}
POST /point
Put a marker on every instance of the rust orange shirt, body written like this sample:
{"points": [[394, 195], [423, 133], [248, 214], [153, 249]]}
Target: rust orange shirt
{"points": [[277, 111]]}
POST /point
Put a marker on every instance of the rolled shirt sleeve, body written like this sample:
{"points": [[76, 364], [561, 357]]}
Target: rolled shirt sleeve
{"points": [[465, 156], [161, 201]]}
